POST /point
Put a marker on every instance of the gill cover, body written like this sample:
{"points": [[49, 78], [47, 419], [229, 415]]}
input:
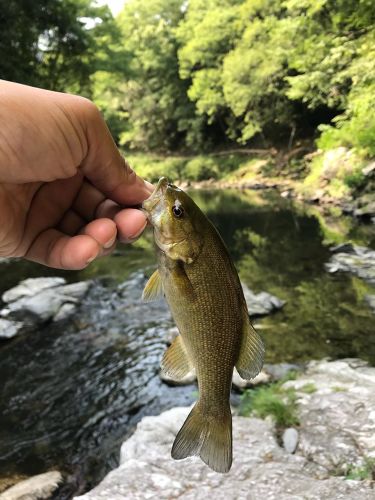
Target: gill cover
{"points": [[175, 218]]}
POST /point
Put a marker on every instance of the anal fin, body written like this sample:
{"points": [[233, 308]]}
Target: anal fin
{"points": [[175, 362], [250, 360], [154, 288]]}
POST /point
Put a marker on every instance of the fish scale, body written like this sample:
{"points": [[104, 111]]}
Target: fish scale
{"points": [[201, 285]]}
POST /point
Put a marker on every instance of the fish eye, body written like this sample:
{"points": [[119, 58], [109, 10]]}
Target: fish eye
{"points": [[178, 211]]}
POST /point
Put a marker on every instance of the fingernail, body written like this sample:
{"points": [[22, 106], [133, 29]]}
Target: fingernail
{"points": [[133, 237], [90, 259], [110, 242]]}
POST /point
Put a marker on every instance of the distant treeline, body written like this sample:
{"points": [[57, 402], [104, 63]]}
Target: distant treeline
{"points": [[199, 74]]}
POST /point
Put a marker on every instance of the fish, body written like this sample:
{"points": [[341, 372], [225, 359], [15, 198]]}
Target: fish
{"points": [[201, 285]]}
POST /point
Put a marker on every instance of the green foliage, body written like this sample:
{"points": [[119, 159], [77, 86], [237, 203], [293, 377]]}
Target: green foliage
{"points": [[172, 75], [201, 168], [362, 472], [355, 180], [272, 401], [182, 168], [54, 44]]}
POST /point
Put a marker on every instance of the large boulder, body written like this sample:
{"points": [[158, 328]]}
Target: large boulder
{"points": [[37, 300], [262, 303], [337, 431], [353, 259]]}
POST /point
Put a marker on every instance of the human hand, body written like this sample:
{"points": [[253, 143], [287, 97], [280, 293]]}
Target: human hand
{"points": [[63, 182]]}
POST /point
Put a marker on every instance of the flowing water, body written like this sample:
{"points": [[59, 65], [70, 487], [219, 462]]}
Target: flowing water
{"points": [[71, 392]]}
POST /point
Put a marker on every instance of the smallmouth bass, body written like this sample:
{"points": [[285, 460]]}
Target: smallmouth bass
{"points": [[204, 293]]}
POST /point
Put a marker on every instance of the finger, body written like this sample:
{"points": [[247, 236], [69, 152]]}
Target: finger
{"points": [[104, 166], [104, 231], [71, 224], [87, 201], [130, 224], [108, 208], [55, 249]]}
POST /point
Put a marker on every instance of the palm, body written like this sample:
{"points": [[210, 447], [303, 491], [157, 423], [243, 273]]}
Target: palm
{"points": [[29, 210]]}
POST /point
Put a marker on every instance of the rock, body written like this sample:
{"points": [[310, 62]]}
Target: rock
{"points": [[171, 334], [190, 378], [31, 287], [337, 421], [261, 468], [290, 439], [337, 160], [343, 248], [40, 299], [35, 488], [369, 169], [262, 303], [9, 329], [365, 211], [240, 383], [280, 370], [354, 259], [370, 299]]}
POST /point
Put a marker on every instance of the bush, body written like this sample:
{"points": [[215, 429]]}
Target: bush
{"points": [[201, 168], [272, 400]]}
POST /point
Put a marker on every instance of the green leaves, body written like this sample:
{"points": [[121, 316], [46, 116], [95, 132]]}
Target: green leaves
{"points": [[176, 75]]}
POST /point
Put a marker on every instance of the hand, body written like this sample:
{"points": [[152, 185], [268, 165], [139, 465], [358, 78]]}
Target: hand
{"points": [[63, 182]]}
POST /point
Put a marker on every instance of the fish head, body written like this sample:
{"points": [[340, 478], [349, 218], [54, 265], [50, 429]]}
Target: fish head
{"points": [[176, 222]]}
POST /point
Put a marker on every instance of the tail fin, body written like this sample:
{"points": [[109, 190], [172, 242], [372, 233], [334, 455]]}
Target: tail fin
{"points": [[207, 436]]}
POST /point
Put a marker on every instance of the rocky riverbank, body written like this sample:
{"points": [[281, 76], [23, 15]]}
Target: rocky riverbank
{"points": [[333, 178], [334, 458]]}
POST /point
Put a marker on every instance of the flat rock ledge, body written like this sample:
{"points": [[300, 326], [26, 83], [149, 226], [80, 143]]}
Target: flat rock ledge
{"points": [[34, 488], [37, 300], [353, 259], [337, 432]]}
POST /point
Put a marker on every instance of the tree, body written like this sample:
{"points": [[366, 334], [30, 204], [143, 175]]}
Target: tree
{"points": [[159, 113], [49, 42]]}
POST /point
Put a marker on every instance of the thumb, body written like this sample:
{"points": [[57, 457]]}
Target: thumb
{"points": [[104, 166]]}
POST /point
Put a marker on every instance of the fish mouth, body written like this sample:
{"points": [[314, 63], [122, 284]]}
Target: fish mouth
{"points": [[150, 203]]}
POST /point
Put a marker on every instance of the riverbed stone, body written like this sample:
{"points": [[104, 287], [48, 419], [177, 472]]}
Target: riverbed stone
{"points": [[34, 488], [290, 439], [9, 328], [355, 259], [240, 383], [370, 299], [336, 430], [262, 303], [37, 300]]}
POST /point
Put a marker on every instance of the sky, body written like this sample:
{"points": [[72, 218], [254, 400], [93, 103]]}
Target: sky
{"points": [[115, 5]]}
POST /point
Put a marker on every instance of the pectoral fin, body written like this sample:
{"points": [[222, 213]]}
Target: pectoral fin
{"points": [[175, 362], [250, 360], [154, 288]]}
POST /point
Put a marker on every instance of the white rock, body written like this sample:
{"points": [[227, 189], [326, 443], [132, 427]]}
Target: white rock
{"points": [[261, 468], [262, 303], [290, 439], [43, 298], [35, 488], [9, 328], [31, 287], [240, 383]]}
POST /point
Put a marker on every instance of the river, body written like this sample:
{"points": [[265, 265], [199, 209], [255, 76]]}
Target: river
{"points": [[71, 392]]}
